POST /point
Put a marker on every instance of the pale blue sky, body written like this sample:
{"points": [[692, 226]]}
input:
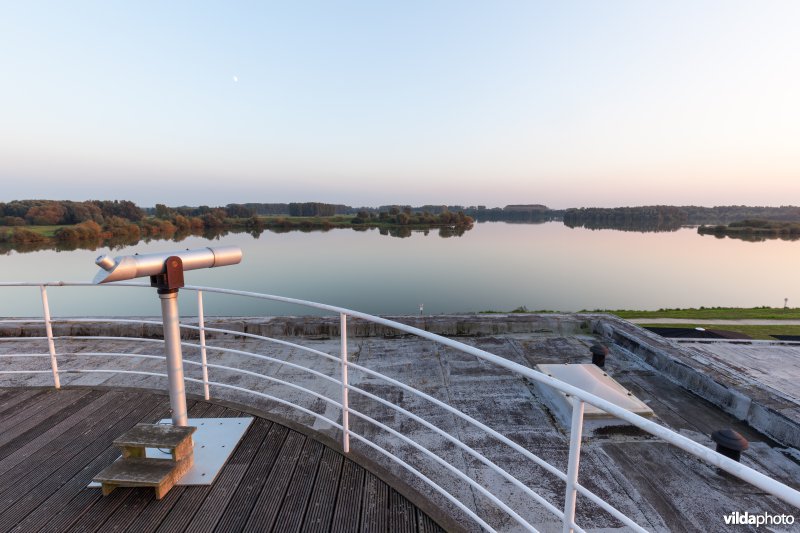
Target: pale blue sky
{"points": [[365, 103]]}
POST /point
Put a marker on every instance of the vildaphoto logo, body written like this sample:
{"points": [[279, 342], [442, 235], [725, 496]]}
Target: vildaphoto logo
{"points": [[763, 519]]}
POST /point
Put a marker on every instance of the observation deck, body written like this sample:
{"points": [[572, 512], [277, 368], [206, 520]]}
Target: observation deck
{"points": [[443, 410], [278, 479]]}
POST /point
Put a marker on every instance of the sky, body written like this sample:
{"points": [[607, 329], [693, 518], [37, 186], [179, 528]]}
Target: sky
{"points": [[416, 102]]}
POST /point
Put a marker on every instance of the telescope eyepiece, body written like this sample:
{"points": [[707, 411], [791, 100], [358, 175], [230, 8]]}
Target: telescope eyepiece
{"points": [[105, 262]]}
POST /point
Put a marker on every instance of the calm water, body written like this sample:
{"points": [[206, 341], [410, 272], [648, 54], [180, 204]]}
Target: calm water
{"points": [[495, 266]]}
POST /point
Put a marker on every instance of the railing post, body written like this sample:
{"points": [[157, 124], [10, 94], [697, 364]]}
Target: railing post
{"points": [[575, 435], [345, 408], [201, 323], [50, 344]]}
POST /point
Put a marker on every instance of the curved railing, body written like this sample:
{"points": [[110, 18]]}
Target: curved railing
{"points": [[342, 423]]}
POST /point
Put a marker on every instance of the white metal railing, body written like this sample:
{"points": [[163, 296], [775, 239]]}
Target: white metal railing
{"points": [[577, 396]]}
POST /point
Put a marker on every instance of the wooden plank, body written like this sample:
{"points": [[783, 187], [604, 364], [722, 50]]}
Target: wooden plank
{"points": [[64, 509], [18, 411], [7, 392], [347, 512], [106, 507], [97, 519], [34, 438], [40, 465], [374, 516], [183, 510], [323, 498], [224, 488], [214, 411], [76, 471], [293, 511], [30, 415], [154, 436], [402, 518], [160, 474], [269, 501], [29, 396], [238, 510]]}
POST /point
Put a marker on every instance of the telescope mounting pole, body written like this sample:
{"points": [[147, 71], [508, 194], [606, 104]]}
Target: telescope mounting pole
{"points": [[168, 284]]}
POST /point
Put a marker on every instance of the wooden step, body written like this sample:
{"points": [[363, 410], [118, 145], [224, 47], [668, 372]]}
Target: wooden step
{"points": [[164, 436], [161, 474]]}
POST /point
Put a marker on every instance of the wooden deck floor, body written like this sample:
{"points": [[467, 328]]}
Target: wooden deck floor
{"points": [[53, 442]]}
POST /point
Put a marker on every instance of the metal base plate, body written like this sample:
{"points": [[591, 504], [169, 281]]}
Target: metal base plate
{"points": [[214, 441]]}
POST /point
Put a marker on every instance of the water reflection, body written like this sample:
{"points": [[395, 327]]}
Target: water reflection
{"points": [[119, 242], [494, 266]]}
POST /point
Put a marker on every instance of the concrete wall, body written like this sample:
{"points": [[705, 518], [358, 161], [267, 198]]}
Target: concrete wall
{"points": [[747, 402]]}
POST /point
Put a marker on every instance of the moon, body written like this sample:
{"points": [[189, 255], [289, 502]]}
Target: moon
{"points": [[236, 79]]}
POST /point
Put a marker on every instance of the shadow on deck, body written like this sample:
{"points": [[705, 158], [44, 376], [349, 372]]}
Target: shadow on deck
{"points": [[52, 442]]}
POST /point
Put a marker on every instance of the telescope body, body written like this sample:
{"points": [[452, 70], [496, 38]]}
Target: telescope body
{"points": [[137, 266]]}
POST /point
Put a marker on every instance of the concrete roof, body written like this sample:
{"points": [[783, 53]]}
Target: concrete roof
{"points": [[659, 486]]}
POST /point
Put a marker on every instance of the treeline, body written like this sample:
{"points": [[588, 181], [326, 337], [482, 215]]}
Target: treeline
{"points": [[298, 209], [670, 218], [737, 213], [62, 212], [755, 230]]}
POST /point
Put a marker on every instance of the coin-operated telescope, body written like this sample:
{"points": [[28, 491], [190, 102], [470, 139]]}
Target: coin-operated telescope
{"points": [[166, 274], [154, 265]]}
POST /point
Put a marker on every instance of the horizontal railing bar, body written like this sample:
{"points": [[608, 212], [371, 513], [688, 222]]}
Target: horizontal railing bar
{"points": [[112, 371], [113, 320], [101, 338], [25, 355], [530, 492], [494, 499]]}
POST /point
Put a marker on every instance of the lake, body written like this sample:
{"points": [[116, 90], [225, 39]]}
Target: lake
{"points": [[495, 266]]}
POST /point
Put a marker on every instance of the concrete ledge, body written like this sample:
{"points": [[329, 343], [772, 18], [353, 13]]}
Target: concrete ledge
{"points": [[477, 325], [753, 403]]}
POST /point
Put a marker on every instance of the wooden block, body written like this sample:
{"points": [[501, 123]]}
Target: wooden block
{"points": [[161, 474], [155, 436], [133, 452], [183, 450]]}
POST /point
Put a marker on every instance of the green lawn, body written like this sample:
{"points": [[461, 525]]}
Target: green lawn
{"points": [[727, 313], [47, 231], [756, 332], [705, 313]]}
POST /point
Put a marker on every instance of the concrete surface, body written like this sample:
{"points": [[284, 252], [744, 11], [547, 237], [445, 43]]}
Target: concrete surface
{"points": [[659, 486], [763, 396]]}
